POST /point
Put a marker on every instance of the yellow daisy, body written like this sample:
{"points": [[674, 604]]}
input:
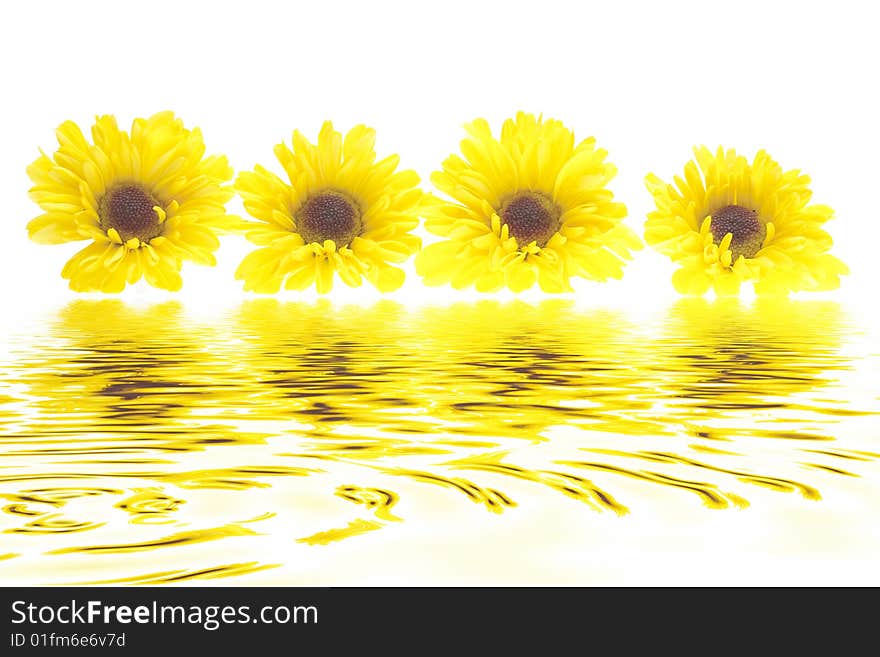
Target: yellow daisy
{"points": [[530, 206], [728, 221], [148, 201], [342, 212]]}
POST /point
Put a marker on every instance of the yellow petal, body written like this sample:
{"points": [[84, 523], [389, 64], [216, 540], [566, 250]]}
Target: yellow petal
{"points": [[691, 281]]}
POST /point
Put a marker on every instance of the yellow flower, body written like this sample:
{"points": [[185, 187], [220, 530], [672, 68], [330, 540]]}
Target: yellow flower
{"points": [[148, 201], [528, 207], [342, 212], [728, 221]]}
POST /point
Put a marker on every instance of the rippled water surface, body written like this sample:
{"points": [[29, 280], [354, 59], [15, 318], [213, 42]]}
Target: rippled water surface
{"points": [[295, 443]]}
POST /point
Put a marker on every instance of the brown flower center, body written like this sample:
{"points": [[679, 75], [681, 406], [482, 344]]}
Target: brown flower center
{"points": [[530, 217], [746, 227], [129, 210], [329, 215]]}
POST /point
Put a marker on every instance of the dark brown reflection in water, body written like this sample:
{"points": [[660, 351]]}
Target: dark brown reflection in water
{"points": [[225, 445]]}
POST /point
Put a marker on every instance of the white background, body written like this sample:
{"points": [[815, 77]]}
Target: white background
{"points": [[648, 79]]}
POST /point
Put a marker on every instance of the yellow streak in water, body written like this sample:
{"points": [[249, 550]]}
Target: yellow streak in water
{"points": [[708, 492], [776, 483], [174, 540], [150, 505], [354, 528], [492, 499], [53, 523], [380, 501], [577, 487]]}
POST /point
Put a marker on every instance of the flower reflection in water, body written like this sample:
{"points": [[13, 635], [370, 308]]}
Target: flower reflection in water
{"points": [[145, 445]]}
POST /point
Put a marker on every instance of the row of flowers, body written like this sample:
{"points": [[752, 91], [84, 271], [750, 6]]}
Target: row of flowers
{"points": [[528, 207]]}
